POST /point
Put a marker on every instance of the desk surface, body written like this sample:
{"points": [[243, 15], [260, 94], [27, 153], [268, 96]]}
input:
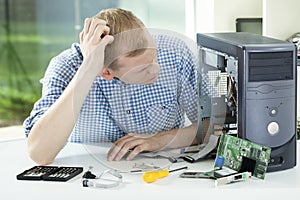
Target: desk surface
{"points": [[14, 160]]}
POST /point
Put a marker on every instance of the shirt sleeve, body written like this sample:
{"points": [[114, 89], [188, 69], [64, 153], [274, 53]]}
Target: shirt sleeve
{"points": [[59, 73]]}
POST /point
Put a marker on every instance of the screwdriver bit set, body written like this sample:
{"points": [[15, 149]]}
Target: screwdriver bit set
{"points": [[50, 173]]}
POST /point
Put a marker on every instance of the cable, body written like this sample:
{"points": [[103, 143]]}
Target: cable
{"points": [[90, 180]]}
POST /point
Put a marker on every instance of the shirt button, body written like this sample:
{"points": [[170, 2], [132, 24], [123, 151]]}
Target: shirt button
{"points": [[128, 111]]}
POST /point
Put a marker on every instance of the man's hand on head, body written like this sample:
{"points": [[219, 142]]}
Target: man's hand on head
{"points": [[93, 39]]}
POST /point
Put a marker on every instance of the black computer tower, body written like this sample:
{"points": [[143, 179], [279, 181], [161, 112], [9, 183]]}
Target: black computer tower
{"points": [[264, 71]]}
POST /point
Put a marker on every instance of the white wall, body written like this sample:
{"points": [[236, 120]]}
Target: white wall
{"points": [[226, 11], [281, 18], [220, 15], [205, 16]]}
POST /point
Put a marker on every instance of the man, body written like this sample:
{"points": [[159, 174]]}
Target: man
{"points": [[120, 85]]}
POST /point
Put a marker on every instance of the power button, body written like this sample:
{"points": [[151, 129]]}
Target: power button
{"points": [[273, 128]]}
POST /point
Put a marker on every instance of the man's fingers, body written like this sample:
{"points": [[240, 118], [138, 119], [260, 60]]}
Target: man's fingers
{"points": [[138, 149], [108, 39], [86, 27], [121, 147], [81, 37], [135, 145], [94, 24], [99, 33], [115, 150], [93, 28]]}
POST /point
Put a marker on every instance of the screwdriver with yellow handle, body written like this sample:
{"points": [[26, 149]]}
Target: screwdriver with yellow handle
{"points": [[152, 176]]}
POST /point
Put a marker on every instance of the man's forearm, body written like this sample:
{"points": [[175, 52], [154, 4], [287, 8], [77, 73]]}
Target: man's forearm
{"points": [[51, 131], [49, 134], [181, 137]]}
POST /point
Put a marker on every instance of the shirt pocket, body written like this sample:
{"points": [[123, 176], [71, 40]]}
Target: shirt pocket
{"points": [[162, 117]]}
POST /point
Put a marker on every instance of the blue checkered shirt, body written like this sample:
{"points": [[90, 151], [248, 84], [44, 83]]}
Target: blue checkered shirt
{"points": [[113, 108]]}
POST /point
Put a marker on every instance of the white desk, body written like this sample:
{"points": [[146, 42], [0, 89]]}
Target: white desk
{"points": [[14, 160]]}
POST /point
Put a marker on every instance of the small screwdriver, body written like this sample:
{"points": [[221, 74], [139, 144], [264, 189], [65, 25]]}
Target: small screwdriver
{"points": [[151, 176]]}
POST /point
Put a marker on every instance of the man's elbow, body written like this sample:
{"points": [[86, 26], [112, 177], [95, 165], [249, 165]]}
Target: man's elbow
{"points": [[39, 156]]}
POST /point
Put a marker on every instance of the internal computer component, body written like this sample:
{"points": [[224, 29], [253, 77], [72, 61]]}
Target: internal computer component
{"points": [[242, 155]]}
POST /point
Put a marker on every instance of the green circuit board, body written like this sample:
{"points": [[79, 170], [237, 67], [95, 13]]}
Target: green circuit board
{"points": [[242, 155]]}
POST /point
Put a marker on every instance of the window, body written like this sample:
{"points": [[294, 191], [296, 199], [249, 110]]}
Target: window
{"points": [[33, 31]]}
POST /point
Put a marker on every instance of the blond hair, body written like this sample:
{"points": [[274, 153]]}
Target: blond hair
{"points": [[122, 21], [119, 20]]}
